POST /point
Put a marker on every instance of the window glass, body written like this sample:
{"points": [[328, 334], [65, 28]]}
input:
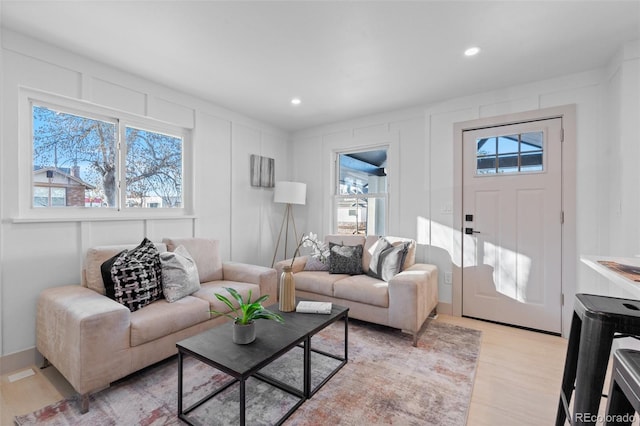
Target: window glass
{"points": [[361, 193], [74, 152], [86, 160], [58, 197], [510, 154], [40, 197], [154, 169]]}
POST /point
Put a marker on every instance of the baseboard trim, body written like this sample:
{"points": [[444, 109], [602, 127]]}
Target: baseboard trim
{"points": [[20, 360]]}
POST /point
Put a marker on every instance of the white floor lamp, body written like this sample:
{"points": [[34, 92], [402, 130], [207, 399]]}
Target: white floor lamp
{"points": [[288, 193]]}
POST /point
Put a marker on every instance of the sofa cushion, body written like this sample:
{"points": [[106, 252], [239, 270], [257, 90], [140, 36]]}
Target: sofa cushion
{"points": [[363, 289], [96, 256], [208, 292], [162, 318], [179, 274], [345, 259], [317, 282], [206, 254], [137, 276]]}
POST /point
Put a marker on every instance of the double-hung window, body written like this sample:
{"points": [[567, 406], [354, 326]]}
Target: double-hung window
{"points": [[99, 159], [361, 192]]}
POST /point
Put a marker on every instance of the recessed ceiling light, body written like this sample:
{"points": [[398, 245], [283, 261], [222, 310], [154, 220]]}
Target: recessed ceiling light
{"points": [[472, 51], [296, 101]]}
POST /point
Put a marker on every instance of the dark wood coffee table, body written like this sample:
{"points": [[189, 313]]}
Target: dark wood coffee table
{"points": [[215, 348]]}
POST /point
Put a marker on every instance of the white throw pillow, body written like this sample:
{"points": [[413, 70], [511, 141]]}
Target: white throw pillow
{"points": [[179, 274]]}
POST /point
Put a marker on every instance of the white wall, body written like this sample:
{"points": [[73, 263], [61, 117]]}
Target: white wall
{"points": [[313, 154], [423, 207], [623, 105], [37, 255], [1, 175]]}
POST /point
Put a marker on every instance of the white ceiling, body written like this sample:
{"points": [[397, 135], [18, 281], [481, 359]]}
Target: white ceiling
{"points": [[343, 59]]}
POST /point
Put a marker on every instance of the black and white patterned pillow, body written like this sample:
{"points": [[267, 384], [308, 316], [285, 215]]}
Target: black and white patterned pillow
{"points": [[345, 259], [137, 276]]}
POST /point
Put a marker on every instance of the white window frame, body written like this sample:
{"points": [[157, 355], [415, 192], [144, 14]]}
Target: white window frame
{"points": [[26, 211], [337, 197]]}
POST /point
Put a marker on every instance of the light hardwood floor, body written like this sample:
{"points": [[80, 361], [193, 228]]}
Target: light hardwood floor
{"points": [[517, 381]]}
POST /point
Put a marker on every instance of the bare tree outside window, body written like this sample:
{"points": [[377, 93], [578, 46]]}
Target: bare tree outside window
{"points": [[154, 169], [80, 154], [81, 147]]}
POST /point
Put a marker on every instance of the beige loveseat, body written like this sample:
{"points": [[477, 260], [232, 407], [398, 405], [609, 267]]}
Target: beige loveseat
{"points": [[94, 340], [404, 301]]}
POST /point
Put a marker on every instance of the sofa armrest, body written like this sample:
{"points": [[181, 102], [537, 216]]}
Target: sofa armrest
{"points": [[84, 334], [265, 277], [298, 264], [413, 294]]}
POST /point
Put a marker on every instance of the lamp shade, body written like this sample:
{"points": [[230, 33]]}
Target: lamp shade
{"points": [[290, 192]]}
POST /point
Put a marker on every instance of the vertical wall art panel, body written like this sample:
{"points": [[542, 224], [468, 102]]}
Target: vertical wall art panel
{"points": [[267, 172], [262, 171], [255, 170]]}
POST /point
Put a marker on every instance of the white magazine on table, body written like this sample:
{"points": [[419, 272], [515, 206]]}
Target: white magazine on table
{"points": [[310, 307]]}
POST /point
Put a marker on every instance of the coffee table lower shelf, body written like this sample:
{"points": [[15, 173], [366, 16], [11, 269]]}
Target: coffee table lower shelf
{"points": [[213, 348]]}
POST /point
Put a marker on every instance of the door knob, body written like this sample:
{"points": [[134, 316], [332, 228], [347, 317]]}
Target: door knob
{"points": [[470, 231]]}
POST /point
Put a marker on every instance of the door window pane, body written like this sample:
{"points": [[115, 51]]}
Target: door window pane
{"points": [[510, 154]]}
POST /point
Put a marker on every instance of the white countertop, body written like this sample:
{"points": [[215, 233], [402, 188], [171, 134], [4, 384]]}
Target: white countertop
{"points": [[627, 285]]}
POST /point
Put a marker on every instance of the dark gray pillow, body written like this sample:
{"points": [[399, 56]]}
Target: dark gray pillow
{"points": [[345, 259]]}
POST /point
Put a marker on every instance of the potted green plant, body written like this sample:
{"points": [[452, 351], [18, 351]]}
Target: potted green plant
{"points": [[246, 313]]}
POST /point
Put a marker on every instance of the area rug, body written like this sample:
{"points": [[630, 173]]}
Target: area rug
{"points": [[386, 381]]}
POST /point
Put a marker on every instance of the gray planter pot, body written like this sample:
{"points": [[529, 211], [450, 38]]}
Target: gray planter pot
{"points": [[244, 334]]}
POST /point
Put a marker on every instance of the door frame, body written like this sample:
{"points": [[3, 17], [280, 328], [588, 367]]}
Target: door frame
{"points": [[567, 113]]}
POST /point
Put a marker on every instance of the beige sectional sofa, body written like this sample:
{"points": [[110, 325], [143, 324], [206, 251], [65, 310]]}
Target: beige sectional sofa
{"points": [[94, 340], [404, 301]]}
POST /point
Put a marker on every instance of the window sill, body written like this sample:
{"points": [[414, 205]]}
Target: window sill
{"points": [[25, 220]]}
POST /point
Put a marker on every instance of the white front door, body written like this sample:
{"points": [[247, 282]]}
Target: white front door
{"points": [[512, 221]]}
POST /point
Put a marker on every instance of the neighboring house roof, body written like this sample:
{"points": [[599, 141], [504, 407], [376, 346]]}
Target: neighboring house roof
{"points": [[63, 173]]}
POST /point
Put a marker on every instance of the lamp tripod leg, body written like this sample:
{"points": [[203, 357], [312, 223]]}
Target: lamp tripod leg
{"points": [[295, 231], [275, 252]]}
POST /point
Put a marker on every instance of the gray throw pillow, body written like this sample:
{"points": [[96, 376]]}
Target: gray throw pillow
{"points": [[179, 274], [381, 245], [314, 264], [389, 260], [345, 259]]}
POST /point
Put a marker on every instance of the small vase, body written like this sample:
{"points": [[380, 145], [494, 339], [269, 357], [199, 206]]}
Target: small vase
{"points": [[244, 334], [287, 299]]}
